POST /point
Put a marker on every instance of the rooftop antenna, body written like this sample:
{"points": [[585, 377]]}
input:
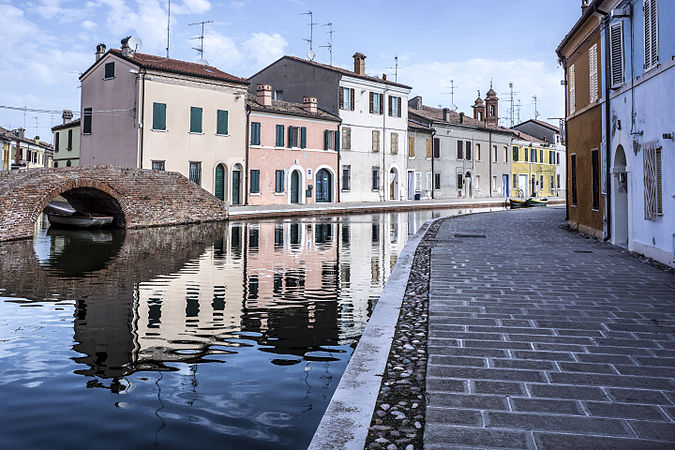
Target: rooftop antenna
{"points": [[310, 54], [512, 99], [37, 126], [329, 46], [396, 67], [168, 27], [536, 113], [518, 110], [200, 49], [452, 95]]}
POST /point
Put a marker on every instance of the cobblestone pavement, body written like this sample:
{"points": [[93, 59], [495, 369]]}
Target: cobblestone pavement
{"points": [[539, 338]]}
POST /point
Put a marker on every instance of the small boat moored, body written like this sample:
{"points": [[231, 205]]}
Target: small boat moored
{"points": [[78, 220], [517, 203], [537, 201]]}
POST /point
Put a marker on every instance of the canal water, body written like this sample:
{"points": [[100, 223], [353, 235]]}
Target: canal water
{"points": [[224, 335]]}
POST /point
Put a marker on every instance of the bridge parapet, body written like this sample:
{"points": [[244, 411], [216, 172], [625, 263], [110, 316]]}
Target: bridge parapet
{"points": [[137, 198]]}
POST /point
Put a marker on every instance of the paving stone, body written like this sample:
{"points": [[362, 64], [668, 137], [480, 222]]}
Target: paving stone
{"points": [[546, 406], [454, 416], [585, 367], [444, 436], [558, 441], [657, 431], [467, 401], [611, 380], [551, 422], [626, 411], [566, 392], [485, 374], [638, 396], [498, 387], [609, 359]]}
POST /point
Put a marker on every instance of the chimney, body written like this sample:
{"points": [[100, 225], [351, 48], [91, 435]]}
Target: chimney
{"points": [[584, 5], [359, 63], [100, 50], [264, 94], [309, 104], [67, 116], [384, 77], [446, 114], [20, 133], [461, 117], [126, 50], [415, 102]]}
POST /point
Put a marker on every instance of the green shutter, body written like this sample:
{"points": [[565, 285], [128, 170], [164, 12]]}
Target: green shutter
{"points": [[303, 137], [222, 122], [326, 136], [337, 140], [290, 137], [159, 116], [280, 136], [195, 120]]}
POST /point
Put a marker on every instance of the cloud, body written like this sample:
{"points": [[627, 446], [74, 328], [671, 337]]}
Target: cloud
{"points": [[263, 49], [197, 6], [147, 21], [88, 25], [221, 51], [49, 8]]}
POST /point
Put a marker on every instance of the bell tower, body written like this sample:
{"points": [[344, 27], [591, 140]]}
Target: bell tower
{"points": [[492, 107], [479, 108]]}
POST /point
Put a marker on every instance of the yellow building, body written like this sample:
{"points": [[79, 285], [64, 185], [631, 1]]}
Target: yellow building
{"points": [[533, 169]]}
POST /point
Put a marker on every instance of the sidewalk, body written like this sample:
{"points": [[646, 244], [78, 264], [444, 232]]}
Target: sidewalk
{"points": [[248, 212], [539, 338]]}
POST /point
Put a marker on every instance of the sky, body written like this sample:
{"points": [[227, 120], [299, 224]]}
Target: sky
{"points": [[46, 44]]}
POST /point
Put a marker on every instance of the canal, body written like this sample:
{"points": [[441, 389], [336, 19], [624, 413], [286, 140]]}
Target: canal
{"points": [[212, 335]]}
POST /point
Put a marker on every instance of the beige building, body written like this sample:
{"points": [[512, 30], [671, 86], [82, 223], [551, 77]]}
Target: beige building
{"points": [[67, 141], [18, 152], [151, 112]]}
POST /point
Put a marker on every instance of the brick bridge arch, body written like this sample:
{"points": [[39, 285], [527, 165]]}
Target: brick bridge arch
{"points": [[136, 198]]}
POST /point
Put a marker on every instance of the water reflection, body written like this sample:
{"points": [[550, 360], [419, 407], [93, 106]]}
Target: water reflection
{"points": [[235, 331]]}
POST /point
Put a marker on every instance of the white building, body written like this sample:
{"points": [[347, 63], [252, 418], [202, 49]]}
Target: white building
{"points": [[151, 112]]}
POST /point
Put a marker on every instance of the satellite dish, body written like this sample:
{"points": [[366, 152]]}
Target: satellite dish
{"points": [[311, 55], [202, 61], [134, 43]]}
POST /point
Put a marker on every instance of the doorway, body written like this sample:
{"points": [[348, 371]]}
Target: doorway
{"points": [[620, 183], [523, 185], [219, 190], [295, 187], [324, 186], [393, 184], [236, 185], [505, 185], [411, 185]]}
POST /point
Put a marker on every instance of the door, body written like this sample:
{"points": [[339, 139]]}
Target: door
{"points": [[323, 186], [505, 185], [522, 186], [393, 184], [220, 182], [533, 188], [236, 179], [295, 187], [411, 185]]}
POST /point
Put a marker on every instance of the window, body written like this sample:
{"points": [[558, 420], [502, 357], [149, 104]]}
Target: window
{"points": [[551, 157], [541, 156], [552, 185], [330, 140], [68, 163], [494, 153], [573, 174], [437, 148], [255, 181], [196, 172], [346, 178], [572, 99], [394, 143], [418, 181], [616, 53], [411, 147], [158, 165], [558, 181], [653, 182], [278, 95], [376, 141], [515, 181], [279, 142], [595, 163], [467, 147], [376, 178], [437, 181], [506, 154], [346, 138], [541, 182], [651, 34], [56, 164], [428, 148], [376, 103], [109, 70], [70, 140], [347, 99], [255, 133], [428, 180], [279, 181], [460, 149], [195, 119], [297, 137], [222, 125], [557, 158], [460, 181], [394, 106], [86, 122], [477, 182], [533, 154], [478, 152], [159, 116], [494, 183], [593, 73], [56, 142], [527, 154], [515, 153]]}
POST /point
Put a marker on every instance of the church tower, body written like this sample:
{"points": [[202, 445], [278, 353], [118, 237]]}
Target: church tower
{"points": [[479, 109], [492, 107]]}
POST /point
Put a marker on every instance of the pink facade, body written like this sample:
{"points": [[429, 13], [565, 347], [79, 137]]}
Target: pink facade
{"points": [[307, 172]]}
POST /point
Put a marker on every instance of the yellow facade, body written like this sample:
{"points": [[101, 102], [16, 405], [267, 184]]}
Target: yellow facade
{"points": [[533, 170], [6, 156]]}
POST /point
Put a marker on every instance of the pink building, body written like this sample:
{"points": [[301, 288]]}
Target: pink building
{"points": [[293, 151]]}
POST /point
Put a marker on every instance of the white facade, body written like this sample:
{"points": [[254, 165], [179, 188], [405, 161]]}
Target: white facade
{"points": [[360, 156]]}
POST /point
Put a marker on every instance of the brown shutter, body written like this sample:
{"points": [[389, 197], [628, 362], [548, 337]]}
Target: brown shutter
{"points": [[400, 106], [351, 99], [428, 148], [389, 105], [371, 102], [342, 98]]}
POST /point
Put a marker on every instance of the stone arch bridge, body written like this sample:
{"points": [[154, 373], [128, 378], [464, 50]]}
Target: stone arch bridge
{"points": [[136, 198]]}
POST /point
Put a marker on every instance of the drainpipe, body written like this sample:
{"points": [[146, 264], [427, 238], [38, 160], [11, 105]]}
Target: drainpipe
{"points": [[248, 148], [385, 174], [490, 173], [608, 196], [567, 148], [433, 174], [338, 131], [142, 124]]}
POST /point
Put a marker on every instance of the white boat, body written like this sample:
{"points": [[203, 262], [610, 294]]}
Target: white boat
{"points": [[78, 220]]}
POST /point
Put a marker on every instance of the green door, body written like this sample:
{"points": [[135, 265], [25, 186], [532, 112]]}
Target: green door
{"points": [[323, 186], [220, 182], [236, 176], [295, 187]]}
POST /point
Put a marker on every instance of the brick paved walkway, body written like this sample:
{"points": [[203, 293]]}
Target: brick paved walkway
{"points": [[540, 338]]}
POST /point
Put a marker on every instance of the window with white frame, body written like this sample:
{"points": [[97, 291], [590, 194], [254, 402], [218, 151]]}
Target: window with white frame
{"points": [[428, 181], [651, 34], [593, 73], [572, 97], [346, 178], [418, 181], [616, 53], [653, 181]]}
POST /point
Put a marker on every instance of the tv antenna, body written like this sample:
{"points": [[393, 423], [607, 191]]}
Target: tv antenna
{"points": [[168, 27], [452, 95], [37, 126], [518, 110], [396, 67], [200, 49], [536, 113], [310, 54], [329, 46], [512, 100], [134, 43]]}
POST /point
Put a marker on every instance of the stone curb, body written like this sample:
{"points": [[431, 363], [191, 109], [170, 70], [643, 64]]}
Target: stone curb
{"points": [[347, 419]]}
